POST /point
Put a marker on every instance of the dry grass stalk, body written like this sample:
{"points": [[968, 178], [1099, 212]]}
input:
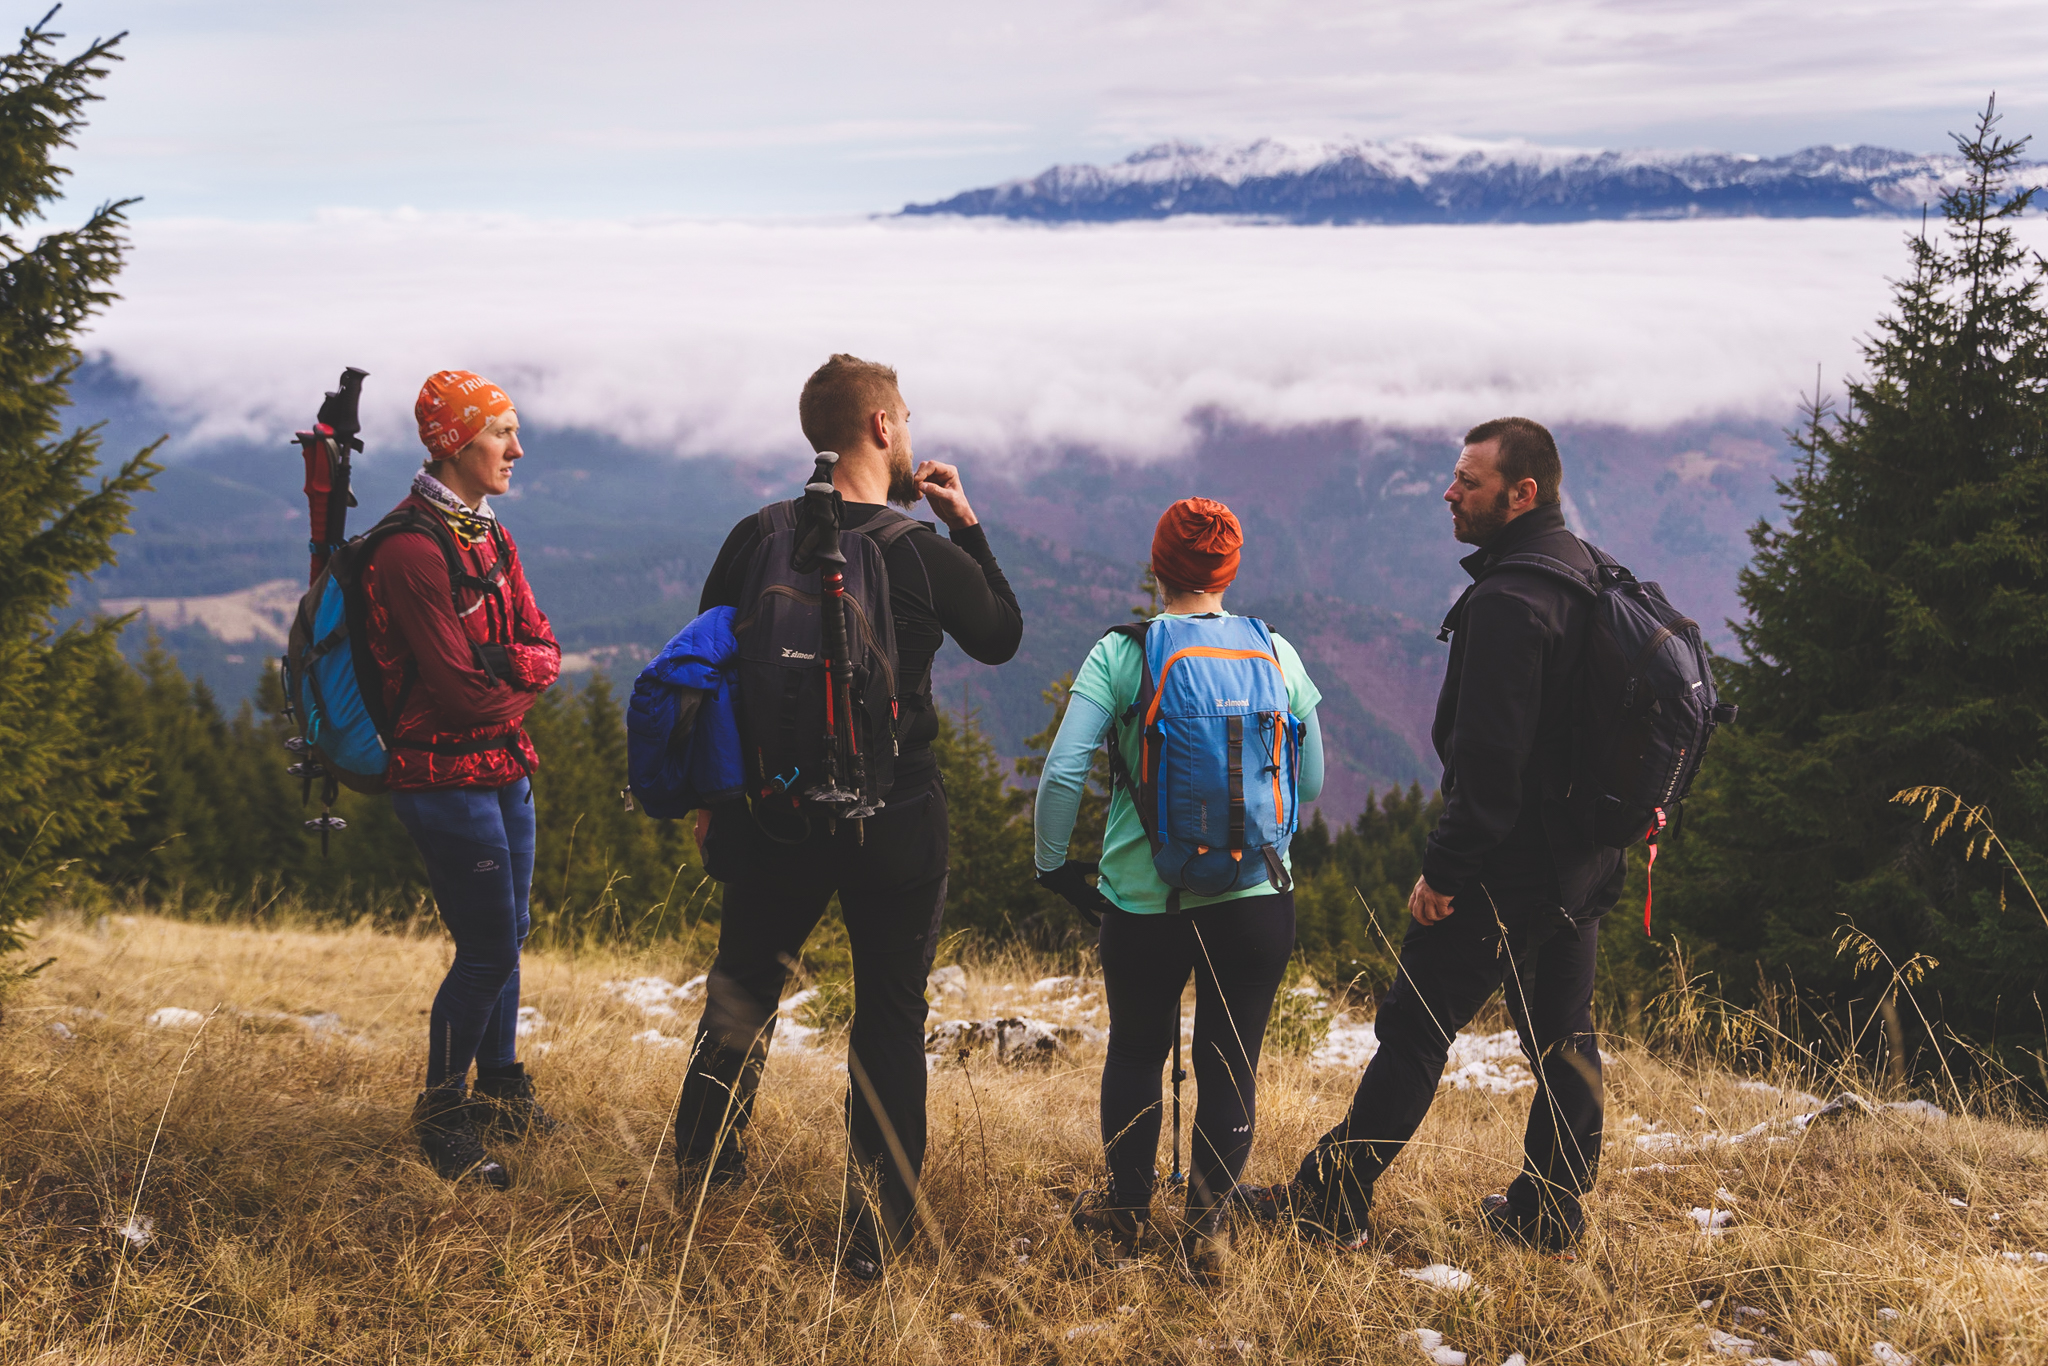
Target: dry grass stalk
{"points": [[281, 1214]]}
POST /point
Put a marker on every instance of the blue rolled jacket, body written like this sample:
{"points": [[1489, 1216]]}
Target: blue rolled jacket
{"points": [[682, 734]]}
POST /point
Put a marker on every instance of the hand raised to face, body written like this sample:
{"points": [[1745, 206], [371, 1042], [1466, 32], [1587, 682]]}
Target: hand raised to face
{"points": [[939, 485]]}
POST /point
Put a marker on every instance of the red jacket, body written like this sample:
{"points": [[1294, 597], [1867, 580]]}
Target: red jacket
{"points": [[422, 636]]}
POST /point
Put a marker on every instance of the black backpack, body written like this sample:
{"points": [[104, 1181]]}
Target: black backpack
{"points": [[1643, 704], [782, 693]]}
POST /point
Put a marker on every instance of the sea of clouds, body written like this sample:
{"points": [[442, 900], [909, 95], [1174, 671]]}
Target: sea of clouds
{"points": [[694, 336]]}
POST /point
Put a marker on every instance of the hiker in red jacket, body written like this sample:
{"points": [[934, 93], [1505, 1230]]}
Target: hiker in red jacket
{"points": [[464, 652]]}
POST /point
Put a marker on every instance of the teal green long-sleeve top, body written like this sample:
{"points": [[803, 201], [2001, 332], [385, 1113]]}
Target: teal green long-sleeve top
{"points": [[1128, 878]]}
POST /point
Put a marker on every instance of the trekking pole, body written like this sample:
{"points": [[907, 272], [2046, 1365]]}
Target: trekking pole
{"points": [[1178, 1176], [817, 546], [325, 450]]}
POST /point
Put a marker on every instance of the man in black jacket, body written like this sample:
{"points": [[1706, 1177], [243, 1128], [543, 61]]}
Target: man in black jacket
{"points": [[889, 871], [1511, 892]]}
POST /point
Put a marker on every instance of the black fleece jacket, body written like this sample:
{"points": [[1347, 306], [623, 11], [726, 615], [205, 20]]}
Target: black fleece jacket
{"points": [[1503, 728], [936, 587]]}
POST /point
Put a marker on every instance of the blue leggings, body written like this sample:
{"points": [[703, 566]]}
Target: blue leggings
{"points": [[478, 847]]}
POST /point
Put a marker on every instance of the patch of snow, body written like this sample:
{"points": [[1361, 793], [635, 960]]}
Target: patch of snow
{"points": [[1657, 1167], [1884, 1354], [138, 1229], [1015, 1038], [1712, 1221], [1238, 1346], [1817, 1357], [174, 1017], [655, 996], [1432, 1344], [62, 1031], [1744, 1312], [950, 980], [658, 1039], [1516, 1360], [1729, 1345], [1918, 1109], [796, 1038], [1764, 1088], [978, 1325], [1478, 1062], [1888, 1314], [530, 1019], [1728, 1197], [1086, 1330], [1441, 1276], [1959, 1204]]}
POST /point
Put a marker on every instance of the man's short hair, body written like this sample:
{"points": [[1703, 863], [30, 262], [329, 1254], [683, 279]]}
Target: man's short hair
{"points": [[839, 398], [1527, 451]]}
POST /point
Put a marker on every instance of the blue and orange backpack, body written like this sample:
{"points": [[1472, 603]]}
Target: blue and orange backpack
{"points": [[1220, 754]]}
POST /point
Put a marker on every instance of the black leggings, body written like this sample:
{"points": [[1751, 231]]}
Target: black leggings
{"points": [[1238, 953]]}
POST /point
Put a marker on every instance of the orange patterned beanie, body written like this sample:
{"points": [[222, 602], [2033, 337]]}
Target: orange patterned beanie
{"points": [[453, 408]]}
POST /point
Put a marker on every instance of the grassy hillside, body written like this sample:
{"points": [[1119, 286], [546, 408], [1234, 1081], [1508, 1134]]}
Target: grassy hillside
{"points": [[238, 1185]]}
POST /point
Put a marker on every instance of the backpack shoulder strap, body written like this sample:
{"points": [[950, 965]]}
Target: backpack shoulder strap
{"points": [[1119, 771], [1134, 631], [889, 528], [1549, 566], [775, 517], [411, 519]]}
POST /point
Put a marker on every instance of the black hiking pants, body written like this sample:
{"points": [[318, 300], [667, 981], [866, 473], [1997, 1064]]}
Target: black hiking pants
{"points": [[891, 883], [1520, 942], [1237, 953]]}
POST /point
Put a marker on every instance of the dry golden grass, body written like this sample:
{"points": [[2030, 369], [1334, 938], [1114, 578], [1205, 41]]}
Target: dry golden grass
{"points": [[292, 1222]]}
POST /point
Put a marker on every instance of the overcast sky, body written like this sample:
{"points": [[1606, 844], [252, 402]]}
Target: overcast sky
{"points": [[268, 110]]}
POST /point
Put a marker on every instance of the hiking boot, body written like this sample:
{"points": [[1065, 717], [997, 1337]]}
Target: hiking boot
{"points": [[1504, 1222], [503, 1099], [446, 1128], [860, 1258], [1289, 1204], [1205, 1245], [1097, 1211], [728, 1168]]}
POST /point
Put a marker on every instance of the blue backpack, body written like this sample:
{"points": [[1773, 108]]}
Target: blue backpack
{"points": [[332, 685], [682, 736], [1220, 758]]}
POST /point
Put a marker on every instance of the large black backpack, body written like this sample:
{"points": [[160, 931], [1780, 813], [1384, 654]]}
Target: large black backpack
{"points": [[1643, 701], [782, 694]]}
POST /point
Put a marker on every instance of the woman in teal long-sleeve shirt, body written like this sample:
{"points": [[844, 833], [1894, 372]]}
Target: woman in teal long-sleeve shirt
{"points": [[1235, 946]]}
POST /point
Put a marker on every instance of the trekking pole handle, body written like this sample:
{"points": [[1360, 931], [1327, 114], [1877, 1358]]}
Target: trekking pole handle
{"points": [[821, 476]]}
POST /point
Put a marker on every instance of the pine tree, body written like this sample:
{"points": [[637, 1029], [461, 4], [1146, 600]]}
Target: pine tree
{"points": [[64, 793], [988, 862], [1897, 635]]}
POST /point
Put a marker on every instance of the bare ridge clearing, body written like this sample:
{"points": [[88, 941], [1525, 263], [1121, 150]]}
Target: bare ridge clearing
{"points": [[204, 1150]]}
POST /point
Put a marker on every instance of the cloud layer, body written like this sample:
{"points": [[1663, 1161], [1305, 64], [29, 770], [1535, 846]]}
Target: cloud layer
{"points": [[695, 336]]}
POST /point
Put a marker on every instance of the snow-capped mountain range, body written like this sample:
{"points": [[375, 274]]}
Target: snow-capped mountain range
{"points": [[1454, 180]]}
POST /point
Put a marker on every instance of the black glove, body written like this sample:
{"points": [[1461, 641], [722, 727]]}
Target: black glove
{"points": [[1068, 882], [495, 660]]}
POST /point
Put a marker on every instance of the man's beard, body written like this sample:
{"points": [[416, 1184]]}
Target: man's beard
{"points": [[1480, 527], [902, 487]]}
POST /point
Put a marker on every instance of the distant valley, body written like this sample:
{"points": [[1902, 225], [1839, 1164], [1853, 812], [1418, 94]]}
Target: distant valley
{"points": [[1348, 553]]}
